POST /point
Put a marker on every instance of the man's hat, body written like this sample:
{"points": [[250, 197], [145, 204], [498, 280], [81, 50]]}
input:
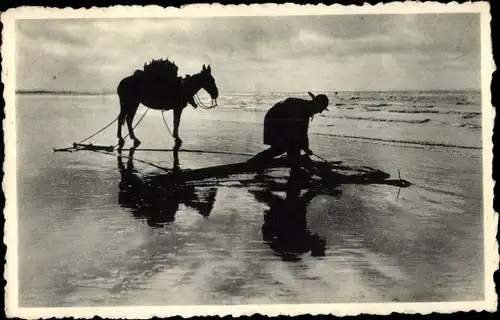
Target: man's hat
{"points": [[320, 98]]}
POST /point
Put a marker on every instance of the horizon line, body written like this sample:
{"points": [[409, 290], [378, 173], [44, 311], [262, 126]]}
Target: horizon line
{"points": [[69, 92]]}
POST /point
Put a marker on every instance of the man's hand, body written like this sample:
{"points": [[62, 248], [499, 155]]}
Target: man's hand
{"points": [[309, 152]]}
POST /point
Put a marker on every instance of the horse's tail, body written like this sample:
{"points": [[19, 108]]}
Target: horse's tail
{"points": [[123, 113]]}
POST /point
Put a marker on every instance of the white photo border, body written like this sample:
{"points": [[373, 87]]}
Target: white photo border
{"points": [[217, 10]]}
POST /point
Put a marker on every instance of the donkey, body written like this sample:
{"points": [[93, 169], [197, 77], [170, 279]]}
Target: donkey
{"points": [[160, 90]]}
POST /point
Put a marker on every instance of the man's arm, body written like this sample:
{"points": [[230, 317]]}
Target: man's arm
{"points": [[305, 138], [305, 146]]}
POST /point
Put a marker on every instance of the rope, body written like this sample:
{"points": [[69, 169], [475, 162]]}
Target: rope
{"points": [[189, 151], [90, 137], [166, 124], [321, 158], [133, 158], [204, 106]]}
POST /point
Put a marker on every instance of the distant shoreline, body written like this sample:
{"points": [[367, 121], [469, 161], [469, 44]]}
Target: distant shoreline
{"points": [[83, 93], [72, 93]]}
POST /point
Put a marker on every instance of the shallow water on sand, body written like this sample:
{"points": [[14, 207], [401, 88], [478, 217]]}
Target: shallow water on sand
{"points": [[92, 232]]}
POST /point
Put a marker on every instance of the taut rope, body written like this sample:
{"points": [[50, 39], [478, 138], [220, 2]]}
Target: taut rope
{"points": [[166, 124], [95, 134]]}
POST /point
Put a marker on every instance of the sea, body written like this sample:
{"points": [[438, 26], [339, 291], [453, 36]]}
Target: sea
{"points": [[90, 235], [440, 118]]}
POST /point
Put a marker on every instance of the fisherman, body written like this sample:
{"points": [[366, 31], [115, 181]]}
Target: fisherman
{"points": [[285, 130]]}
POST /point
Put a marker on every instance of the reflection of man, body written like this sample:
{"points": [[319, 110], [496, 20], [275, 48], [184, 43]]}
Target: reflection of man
{"points": [[286, 126], [285, 226]]}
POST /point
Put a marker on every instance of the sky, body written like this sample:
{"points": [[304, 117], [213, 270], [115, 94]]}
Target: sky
{"points": [[263, 54]]}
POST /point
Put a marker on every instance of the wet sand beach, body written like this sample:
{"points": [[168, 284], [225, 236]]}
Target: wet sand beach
{"points": [[95, 231]]}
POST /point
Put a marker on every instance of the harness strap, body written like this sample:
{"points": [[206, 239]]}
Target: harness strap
{"points": [[203, 106]]}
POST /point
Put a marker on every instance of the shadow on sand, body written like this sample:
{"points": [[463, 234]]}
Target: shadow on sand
{"points": [[156, 198]]}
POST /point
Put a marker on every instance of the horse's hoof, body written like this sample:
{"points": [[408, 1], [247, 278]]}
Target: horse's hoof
{"points": [[178, 143], [137, 142]]}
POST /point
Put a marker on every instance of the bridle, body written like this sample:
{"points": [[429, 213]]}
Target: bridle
{"points": [[199, 102], [204, 106]]}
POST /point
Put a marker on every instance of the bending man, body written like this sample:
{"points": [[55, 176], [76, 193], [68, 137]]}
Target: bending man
{"points": [[286, 126]]}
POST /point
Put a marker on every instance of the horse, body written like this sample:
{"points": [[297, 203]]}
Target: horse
{"points": [[160, 93]]}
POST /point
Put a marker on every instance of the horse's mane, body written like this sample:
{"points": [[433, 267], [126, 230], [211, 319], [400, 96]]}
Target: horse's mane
{"points": [[161, 69]]}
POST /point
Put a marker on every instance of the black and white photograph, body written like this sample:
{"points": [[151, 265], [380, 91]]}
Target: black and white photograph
{"points": [[272, 159]]}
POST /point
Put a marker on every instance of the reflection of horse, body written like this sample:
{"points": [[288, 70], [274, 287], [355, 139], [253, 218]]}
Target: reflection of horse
{"points": [[285, 227], [157, 198], [159, 88]]}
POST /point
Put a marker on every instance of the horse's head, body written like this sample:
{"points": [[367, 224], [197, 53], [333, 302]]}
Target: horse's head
{"points": [[208, 83]]}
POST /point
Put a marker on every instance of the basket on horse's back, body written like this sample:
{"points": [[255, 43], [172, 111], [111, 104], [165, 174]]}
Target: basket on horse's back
{"points": [[161, 69]]}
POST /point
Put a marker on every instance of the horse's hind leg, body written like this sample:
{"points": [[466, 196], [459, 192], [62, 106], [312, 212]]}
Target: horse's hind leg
{"points": [[130, 119], [177, 122], [121, 122]]}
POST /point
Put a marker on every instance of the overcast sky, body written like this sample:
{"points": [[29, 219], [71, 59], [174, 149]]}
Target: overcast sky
{"points": [[348, 52]]}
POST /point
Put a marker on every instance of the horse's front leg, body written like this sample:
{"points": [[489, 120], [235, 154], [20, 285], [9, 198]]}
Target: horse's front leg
{"points": [[177, 121]]}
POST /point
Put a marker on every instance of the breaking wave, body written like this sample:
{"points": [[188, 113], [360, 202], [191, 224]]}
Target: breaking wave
{"points": [[371, 109], [468, 125], [406, 142], [470, 114], [380, 119], [377, 105], [427, 106]]}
